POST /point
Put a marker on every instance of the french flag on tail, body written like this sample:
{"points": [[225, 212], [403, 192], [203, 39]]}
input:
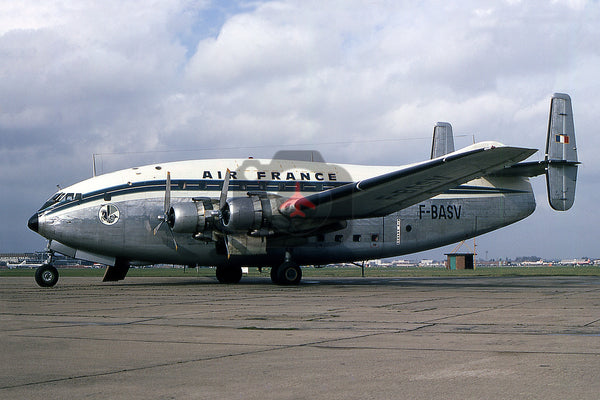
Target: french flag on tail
{"points": [[564, 139]]}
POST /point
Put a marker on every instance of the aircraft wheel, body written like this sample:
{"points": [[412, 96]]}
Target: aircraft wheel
{"points": [[274, 274], [229, 274], [46, 275], [289, 273]]}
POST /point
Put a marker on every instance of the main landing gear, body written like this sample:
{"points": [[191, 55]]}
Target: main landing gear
{"points": [[229, 273], [288, 273], [46, 275]]}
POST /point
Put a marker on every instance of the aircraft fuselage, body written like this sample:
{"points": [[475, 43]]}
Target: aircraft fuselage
{"points": [[113, 216]]}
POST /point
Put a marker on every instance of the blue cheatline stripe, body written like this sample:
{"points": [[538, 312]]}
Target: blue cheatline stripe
{"points": [[203, 185], [200, 185]]}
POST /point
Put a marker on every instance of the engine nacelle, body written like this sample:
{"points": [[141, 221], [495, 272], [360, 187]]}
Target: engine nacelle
{"points": [[256, 215], [243, 214], [188, 217]]}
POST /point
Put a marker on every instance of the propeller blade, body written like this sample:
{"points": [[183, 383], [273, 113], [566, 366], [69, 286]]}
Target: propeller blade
{"points": [[157, 228], [225, 189], [167, 194], [172, 237], [227, 244]]}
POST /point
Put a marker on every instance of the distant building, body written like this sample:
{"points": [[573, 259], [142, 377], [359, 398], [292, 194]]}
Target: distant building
{"points": [[576, 261], [460, 261]]}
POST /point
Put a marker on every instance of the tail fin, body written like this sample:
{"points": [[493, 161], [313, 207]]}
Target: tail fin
{"points": [[443, 140], [561, 154]]}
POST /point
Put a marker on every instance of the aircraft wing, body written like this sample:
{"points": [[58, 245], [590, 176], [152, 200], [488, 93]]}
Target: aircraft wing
{"points": [[384, 194]]}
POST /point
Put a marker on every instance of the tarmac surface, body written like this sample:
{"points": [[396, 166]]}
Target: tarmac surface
{"points": [[329, 338]]}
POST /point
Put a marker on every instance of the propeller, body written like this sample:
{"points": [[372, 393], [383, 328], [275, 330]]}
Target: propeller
{"points": [[222, 208], [167, 207]]}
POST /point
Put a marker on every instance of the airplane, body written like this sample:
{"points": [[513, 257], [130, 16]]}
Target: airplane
{"points": [[22, 264], [296, 209]]}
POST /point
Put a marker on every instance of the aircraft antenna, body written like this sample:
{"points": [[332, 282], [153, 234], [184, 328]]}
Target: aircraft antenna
{"points": [[93, 164]]}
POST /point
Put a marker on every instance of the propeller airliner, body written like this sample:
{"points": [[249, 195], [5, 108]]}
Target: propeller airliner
{"points": [[297, 210]]}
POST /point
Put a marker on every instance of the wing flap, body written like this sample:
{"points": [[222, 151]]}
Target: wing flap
{"points": [[384, 194]]}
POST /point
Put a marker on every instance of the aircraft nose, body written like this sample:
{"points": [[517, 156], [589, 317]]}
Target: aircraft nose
{"points": [[34, 223]]}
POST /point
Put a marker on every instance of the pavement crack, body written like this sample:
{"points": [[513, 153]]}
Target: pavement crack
{"points": [[193, 360]]}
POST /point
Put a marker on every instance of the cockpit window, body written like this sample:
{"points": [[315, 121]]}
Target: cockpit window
{"points": [[61, 197], [52, 200]]}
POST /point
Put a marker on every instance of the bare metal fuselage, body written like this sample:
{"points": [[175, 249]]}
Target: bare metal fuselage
{"points": [[113, 216]]}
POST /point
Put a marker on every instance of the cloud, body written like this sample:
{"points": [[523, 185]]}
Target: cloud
{"points": [[256, 48], [86, 77], [350, 77]]}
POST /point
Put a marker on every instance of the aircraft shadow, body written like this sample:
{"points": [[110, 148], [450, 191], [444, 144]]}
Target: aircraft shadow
{"points": [[532, 282]]}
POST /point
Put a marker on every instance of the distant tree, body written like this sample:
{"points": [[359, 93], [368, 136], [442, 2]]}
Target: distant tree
{"points": [[528, 258]]}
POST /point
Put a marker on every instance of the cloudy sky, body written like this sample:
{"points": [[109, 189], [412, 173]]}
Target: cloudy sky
{"points": [[139, 82]]}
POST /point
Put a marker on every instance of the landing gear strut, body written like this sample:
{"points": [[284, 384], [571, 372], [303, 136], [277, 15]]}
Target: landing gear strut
{"points": [[229, 274], [46, 275]]}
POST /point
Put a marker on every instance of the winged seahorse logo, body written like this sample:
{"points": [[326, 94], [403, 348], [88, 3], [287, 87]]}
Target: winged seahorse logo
{"points": [[108, 214]]}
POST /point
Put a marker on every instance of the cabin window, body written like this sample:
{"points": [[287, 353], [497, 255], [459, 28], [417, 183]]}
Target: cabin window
{"points": [[107, 197], [320, 238], [356, 238], [339, 238], [375, 237]]}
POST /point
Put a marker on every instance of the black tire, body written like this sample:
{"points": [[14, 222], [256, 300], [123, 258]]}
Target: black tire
{"points": [[229, 274], [289, 273], [46, 275], [274, 269]]}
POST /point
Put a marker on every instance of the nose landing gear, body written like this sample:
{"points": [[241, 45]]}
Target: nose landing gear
{"points": [[46, 275]]}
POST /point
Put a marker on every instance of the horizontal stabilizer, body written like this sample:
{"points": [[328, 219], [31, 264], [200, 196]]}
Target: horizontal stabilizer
{"points": [[527, 169], [561, 154]]}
